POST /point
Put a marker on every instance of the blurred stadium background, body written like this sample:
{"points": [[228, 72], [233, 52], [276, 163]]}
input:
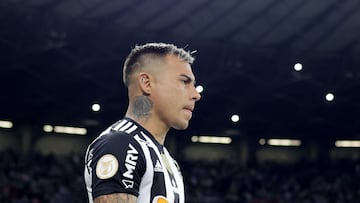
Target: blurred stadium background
{"points": [[280, 84]]}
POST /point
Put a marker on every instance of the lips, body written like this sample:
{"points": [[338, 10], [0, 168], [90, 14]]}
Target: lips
{"points": [[189, 108]]}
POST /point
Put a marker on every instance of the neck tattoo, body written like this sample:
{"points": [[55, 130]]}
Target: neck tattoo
{"points": [[141, 107]]}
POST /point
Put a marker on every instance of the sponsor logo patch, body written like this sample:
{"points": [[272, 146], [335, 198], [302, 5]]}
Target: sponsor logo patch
{"points": [[130, 165], [107, 166]]}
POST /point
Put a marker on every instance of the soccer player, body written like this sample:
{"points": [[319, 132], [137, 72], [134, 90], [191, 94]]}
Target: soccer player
{"points": [[128, 162]]}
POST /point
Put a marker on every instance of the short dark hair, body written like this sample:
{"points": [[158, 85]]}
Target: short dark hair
{"points": [[156, 50]]}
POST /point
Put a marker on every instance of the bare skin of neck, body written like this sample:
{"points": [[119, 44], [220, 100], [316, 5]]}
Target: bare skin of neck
{"points": [[140, 110]]}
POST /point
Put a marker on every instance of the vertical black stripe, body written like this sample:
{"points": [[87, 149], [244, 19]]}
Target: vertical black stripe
{"points": [[160, 187]]}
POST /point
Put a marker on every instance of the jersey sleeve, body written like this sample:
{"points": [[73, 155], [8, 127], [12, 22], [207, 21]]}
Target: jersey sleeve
{"points": [[117, 164]]}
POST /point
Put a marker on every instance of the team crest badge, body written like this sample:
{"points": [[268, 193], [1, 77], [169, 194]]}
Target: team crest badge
{"points": [[107, 166]]}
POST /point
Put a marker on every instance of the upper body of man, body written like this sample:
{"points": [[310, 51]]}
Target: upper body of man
{"points": [[128, 162]]}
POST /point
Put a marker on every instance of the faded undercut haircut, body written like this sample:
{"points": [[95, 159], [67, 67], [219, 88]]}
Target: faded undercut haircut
{"points": [[136, 58]]}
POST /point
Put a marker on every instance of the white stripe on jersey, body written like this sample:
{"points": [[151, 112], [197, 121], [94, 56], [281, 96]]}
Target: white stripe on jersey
{"points": [[126, 126], [130, 130], [119, 125], [122, 127], [147, 180]]}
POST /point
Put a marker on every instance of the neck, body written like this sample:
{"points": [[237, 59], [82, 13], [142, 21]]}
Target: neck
{"points": [[154, 126]]}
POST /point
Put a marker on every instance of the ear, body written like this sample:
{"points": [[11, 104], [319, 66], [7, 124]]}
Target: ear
{"points": [[144, 82]]}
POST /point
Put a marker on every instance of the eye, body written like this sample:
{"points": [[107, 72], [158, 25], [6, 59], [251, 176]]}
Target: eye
{"points": [[186, 81]]}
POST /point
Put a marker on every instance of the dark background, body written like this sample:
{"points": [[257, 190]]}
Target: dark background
{"points": [[58, 57]]}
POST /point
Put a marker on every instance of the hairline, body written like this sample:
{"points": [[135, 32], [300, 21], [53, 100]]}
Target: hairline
{"points": [[152, 52]]}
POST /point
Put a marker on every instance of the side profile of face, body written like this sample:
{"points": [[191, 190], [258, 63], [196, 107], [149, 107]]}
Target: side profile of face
{"points": [[173, 93]]}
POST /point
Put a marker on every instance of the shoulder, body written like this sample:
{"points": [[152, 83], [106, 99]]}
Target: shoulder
{"points": [[114, 140], [116, 146], [119, 140], [111, 136]]}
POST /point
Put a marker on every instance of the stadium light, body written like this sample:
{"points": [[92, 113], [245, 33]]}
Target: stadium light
{"points": [[48, 128], [329, 97], [347, 143], [284, 142], [298, 67], [96, 107], [65, 130], [211, 139], [70, 130], [6, 124], [199, 89], [262, 141], [235, 118]]}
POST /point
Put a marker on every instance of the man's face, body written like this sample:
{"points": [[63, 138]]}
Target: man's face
{"points": [[174, 94]]}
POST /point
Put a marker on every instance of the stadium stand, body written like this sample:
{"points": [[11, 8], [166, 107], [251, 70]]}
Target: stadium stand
{"points": [[56, 179]]}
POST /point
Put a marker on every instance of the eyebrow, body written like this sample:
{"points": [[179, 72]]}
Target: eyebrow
{"points": [[188, 78]]}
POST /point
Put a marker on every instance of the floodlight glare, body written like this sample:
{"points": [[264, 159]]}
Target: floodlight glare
{"points": [[199, 88]]}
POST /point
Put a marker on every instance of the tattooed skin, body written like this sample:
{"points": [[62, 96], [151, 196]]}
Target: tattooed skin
{"points": [[116, 198], [141, 107]]}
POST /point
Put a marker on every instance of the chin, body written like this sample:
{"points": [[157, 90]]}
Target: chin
{"points": [[181, 126]]}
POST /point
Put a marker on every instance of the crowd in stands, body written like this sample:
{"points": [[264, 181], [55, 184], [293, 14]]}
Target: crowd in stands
{"points": [[57, 179], [273, 183], [38, 178]]}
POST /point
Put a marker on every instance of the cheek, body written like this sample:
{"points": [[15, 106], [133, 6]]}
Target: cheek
{"points": [[172, 90], [165, 96], [171, 99], [170, 95]]}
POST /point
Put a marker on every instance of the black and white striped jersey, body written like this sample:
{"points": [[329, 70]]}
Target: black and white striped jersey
{"points": [[125, 158]]}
